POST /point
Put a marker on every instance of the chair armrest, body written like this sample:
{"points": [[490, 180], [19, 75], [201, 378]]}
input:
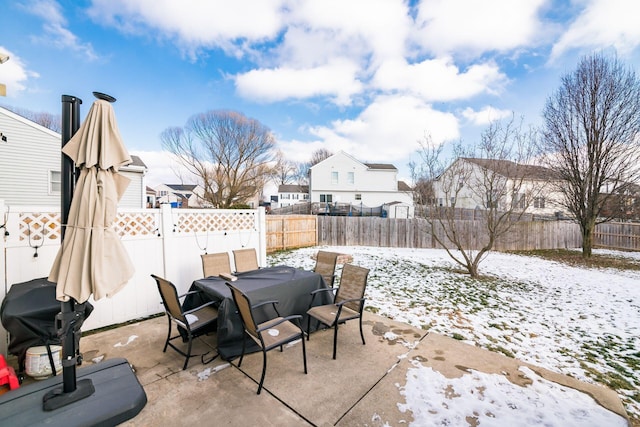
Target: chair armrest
{"points": [[189, 293], [284, 319], [322, 290], [272, 302], [199, 307], [341, 303]]}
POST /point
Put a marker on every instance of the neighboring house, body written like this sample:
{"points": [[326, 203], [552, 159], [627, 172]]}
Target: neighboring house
{"points": [[290, 194], [342, 179], [151, 197], [30, 165], [468, 175], [181, 195]]}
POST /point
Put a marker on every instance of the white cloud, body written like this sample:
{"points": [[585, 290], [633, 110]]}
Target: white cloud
{"points": [[473, 27], [14, 74], [55, 26], [486, 115], [195, 23], [602, 24], [336, 79], [387, 130], [440, 79]]}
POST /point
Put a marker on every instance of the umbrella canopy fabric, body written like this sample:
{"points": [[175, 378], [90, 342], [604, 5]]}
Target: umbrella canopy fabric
{"points": [[92, 259]]}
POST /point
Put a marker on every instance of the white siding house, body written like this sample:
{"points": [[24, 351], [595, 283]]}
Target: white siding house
{"points": [[30, 164], [180, 195], [466, 181], [343, 179], [290, 194]]}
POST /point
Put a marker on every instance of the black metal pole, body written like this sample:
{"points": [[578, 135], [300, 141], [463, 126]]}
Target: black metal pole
{"points": [[70, 124]]}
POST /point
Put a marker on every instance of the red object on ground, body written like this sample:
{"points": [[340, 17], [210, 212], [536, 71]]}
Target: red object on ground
{"points": [[8, 375]]}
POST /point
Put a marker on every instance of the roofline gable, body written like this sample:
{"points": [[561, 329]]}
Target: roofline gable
{"points": [[28, 122]]}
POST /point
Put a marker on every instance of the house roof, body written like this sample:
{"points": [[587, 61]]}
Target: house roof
{"points": [[293, 188], [380, 166], [511, 169], [182, 187], [403, 186]]}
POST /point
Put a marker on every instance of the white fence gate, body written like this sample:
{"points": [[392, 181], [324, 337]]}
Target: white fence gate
{"points": [[167, 242]]}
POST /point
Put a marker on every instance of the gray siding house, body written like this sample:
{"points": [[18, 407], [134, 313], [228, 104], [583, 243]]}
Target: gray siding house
{"points": [[30, 160]]}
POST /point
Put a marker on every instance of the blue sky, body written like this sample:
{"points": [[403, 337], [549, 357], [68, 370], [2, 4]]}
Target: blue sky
{"points": [[369, 77]]}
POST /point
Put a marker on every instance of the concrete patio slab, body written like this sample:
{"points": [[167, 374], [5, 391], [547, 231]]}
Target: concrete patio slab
{"points": [[360, 388]]}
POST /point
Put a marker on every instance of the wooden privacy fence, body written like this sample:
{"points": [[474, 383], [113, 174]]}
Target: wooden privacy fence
{"points": [[416, 233], [618, 235], [296, 231], [290, 231]]}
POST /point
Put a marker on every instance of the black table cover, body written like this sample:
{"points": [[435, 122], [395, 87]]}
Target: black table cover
{"points": [[291, 287]]}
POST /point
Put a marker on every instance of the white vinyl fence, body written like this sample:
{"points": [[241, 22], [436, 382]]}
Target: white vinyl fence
{"points": [[167, 242]]}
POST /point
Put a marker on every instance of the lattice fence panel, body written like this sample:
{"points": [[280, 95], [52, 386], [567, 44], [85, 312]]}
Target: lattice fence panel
{"points": [[37, 226], [136, 224], [190, 222]]}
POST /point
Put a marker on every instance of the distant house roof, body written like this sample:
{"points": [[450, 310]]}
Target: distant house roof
{"points": [[403, 186], [182, 187], [137, 161], [511, 169], [293, 188], [380, 166], [150, 190]]}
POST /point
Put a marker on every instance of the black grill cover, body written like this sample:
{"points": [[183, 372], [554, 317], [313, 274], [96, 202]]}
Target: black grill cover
{"points": [[29, 312]]}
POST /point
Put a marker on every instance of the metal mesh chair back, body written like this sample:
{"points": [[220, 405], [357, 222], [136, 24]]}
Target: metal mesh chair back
{"points": [[326, 266], [245, 260], [353, 282], [214, 264]]}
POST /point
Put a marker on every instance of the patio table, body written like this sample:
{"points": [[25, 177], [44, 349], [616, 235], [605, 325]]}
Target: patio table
{"points": [[291, 287]]}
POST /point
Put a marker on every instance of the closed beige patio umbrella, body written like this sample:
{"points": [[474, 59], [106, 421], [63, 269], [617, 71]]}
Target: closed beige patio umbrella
{"points": [[92, 259]]}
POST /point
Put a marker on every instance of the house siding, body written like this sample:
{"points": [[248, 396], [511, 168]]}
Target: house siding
{"points": [[28, 156], [26, 159]]}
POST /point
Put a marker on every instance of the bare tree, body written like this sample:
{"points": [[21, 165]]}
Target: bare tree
{"points": [[284, 171], [491, 182], [319, 155], [229, 153], [591, 139], [48, 120]]}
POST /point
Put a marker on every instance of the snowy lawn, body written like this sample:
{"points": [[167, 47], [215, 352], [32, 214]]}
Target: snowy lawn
{"points": [[580, 322]]}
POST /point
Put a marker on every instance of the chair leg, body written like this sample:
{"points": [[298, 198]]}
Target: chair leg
{"points": [[361, 334], [335, 339], [244, 339], [186, 361], [308, 327], [264, 369], [164, 350], [304, 353]]}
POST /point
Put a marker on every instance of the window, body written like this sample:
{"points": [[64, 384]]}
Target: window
{"points": [[518, 201], [55, 182], [350, 178], [539, 202], [326, 198], [334, 177], [358, 196]]}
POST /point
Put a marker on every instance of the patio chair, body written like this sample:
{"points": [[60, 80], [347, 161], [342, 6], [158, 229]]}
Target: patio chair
{"points": [[214, 264], [348, 302], [194, 322], [326, 266], [270, 334], [245, 259]]}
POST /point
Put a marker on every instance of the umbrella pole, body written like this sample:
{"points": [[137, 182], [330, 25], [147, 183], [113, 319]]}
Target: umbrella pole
{"points": [[72, 390]]}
